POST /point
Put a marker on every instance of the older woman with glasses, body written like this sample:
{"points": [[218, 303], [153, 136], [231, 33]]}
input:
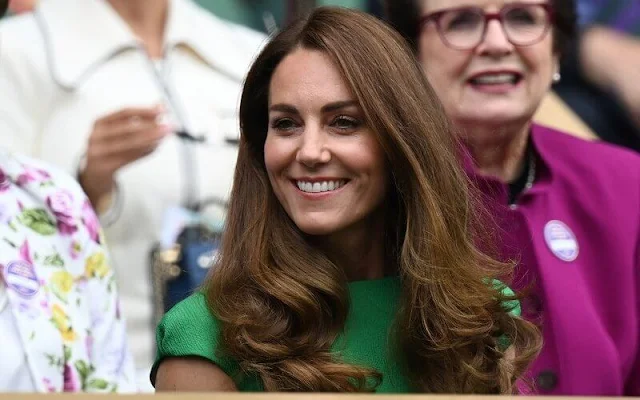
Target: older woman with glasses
{"points": [[568, 209]]}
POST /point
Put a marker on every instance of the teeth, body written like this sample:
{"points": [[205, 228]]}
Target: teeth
{"points": [[496, 79], [320, 187]]}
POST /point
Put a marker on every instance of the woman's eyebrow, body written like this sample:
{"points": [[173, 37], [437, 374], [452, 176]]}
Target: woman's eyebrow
{"points": [[330, 107]]}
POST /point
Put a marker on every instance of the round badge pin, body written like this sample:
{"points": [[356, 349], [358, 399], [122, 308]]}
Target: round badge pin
{"points": [[561, 240], [20, 277]]}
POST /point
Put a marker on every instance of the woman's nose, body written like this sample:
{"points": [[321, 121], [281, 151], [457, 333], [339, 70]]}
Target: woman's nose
{"points": [[313, 148], [495, 42]]}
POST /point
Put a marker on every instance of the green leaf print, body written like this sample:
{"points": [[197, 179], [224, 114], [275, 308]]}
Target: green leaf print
{"points": [[83, 369], [12, 226], [59, 294], [67, 354], [111, 284], [99, 384], [54, 260], [53, 360], [38, 220]]}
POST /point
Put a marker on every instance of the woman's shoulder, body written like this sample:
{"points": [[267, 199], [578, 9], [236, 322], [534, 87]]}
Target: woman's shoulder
{"points": [[194, 313], [582, 151], [511, 304], [591, 167], [189, 329]]}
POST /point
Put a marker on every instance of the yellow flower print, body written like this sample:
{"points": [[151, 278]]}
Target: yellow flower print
{"points": [[96, 266], [63, 324], [61, 284]]}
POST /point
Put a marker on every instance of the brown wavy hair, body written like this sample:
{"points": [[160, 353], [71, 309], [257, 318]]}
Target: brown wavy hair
{"points": [[282, 302]]}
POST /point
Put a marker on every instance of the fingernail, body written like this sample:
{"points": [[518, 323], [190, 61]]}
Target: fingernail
{"points": [[167, 128], [162, 119]]}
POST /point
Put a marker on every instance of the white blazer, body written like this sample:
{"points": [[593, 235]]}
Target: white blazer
{"points": [[59, 282], [73, 61]]}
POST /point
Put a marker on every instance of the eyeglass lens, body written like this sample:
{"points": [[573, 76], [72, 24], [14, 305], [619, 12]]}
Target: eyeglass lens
{"points": [[523, 25]]}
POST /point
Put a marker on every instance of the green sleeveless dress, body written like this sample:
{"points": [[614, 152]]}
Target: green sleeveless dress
{"points": [[189, 329]]}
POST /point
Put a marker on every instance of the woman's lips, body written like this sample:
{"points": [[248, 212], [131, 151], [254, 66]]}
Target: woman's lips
{"points": [[496, 82]]}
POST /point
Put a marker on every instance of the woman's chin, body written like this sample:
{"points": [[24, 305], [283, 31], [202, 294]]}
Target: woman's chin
{"points": [[495, 117], [314, 228]]}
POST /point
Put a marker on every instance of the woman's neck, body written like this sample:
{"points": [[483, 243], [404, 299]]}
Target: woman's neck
{"points": [[147, 20], [359, 252], [498, 152]]}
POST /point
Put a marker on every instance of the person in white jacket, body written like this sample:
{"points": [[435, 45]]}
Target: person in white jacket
{"points": [[138, 99]]}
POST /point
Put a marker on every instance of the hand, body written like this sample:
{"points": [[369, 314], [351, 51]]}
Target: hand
{"points": [[117, 140], [611, 60]]}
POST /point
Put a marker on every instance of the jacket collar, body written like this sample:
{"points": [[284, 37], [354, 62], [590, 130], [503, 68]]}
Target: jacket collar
{"points": [[81, 35]]}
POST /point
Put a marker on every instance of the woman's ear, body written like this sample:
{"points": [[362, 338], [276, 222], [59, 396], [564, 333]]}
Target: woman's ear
{"points": [[556, 69]]}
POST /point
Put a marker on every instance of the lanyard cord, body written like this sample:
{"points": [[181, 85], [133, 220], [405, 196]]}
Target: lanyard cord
{"points": [[187, 153]]}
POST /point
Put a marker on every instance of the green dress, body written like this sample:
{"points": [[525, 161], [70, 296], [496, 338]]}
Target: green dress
{"points": [[189, 329]]}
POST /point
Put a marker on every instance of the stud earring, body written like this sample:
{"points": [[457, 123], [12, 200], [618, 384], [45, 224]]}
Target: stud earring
{"points": [[556, 77]]}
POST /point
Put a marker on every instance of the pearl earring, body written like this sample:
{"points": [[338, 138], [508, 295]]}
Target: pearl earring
{"points": [[556, 77]]}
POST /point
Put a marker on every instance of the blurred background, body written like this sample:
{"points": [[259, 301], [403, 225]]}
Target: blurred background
{"points": [[256, 14]]}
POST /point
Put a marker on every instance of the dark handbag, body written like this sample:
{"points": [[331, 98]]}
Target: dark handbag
{"points": [[179, 271]]}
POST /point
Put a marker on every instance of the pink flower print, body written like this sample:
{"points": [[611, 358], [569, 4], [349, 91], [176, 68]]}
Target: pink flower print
{"points": [[71, 381], [75, 249], [61, 204], [46, 382], [90, 220], [4, 182], [32, 175], [25, 252]]}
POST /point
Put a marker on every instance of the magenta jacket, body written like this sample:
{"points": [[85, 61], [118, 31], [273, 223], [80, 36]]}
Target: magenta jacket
{"points": [[576, 236]]}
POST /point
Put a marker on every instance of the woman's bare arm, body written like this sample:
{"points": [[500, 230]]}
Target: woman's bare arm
{"points": [[192, 374]]}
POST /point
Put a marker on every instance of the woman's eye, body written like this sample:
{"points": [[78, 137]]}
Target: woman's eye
{"points": [[345, 123], [283, 124]]}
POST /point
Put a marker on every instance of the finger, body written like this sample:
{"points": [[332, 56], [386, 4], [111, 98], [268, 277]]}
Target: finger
{"points": [[125, 129], [137, 153], [134, 143], [145, 113]]}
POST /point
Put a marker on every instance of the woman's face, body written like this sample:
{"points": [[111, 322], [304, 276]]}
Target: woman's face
{"points": [[324, 163], [493, 84]]}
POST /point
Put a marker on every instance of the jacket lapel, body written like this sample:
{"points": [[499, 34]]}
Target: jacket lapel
{"points": [[73, 58]]}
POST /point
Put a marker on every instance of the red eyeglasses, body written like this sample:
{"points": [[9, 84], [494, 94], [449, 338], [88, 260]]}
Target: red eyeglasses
{"points": [[464, 28]]}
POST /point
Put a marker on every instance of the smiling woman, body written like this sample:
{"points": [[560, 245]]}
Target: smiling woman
{"points": [[319, 142], [569, 209], [348, 261]]}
